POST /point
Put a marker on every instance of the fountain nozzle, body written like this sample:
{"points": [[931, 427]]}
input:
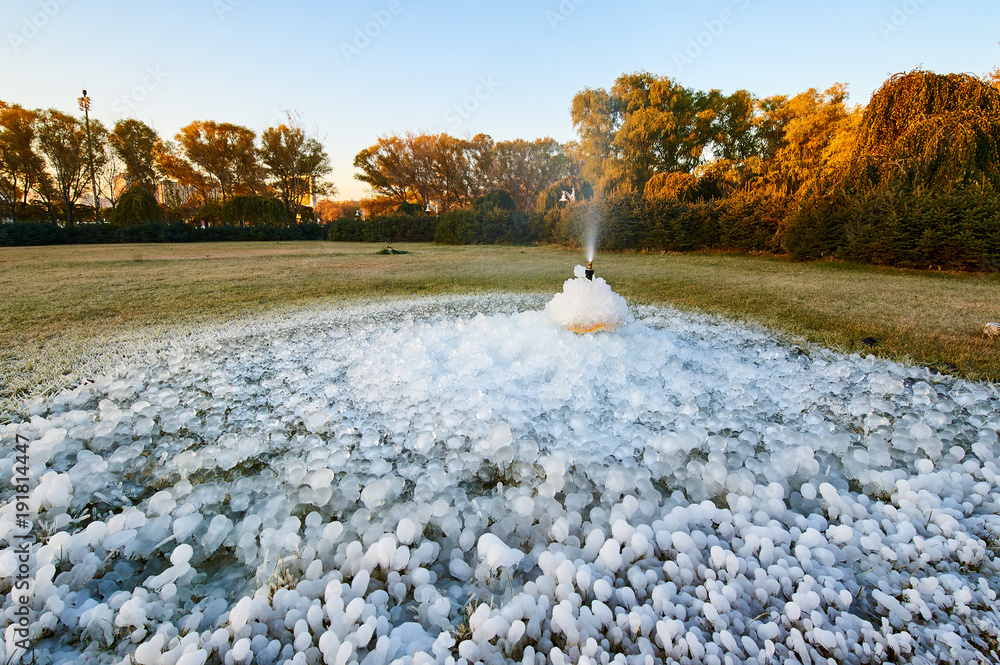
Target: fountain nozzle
{"points": [[589, 272]]}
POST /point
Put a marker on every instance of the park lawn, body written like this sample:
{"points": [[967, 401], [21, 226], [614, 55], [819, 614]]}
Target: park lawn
{"points": [[63, 302]]}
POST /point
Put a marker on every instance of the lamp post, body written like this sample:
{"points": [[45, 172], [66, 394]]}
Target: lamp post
{"points": [[85, 107]]}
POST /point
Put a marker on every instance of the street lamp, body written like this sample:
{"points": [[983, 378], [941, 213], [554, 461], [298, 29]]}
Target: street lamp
{"points": [[85, 107], [428, 209]]}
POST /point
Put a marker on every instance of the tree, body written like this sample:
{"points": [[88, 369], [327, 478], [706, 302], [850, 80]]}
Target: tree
{"points": [[450, 173], [672, 186], [111, 179], [135, 206], [385, 168], [174, 166], [649, 124], [223, 153], [296, 164], [62, 140], [328, 210], [136, 144], [525, 168], [20, 164], [993, 78], [802, 140], [922, 128]]}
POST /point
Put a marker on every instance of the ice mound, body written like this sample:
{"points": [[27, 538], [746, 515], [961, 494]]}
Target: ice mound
{"points": [[587, 305], [457, 480]]}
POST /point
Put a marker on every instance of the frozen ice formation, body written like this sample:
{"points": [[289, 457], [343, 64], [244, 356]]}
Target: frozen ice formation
{"points": [[587, 305], [457, 480]]}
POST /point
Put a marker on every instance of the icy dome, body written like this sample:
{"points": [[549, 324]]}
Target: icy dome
{"points": [[461, 480], [587, 305]]}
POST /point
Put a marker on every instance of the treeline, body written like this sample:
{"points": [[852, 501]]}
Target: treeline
{"points": [[910, 180], [59, 168], [443, 173]]}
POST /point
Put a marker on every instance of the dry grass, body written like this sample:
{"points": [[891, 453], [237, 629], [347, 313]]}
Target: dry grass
{"points": [[62, 302]]}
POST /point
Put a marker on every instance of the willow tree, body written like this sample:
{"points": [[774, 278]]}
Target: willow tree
{"points": [[927, 129]]}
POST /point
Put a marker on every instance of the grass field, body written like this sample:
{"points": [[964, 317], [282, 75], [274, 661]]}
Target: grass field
{"points": [[63, 302]]}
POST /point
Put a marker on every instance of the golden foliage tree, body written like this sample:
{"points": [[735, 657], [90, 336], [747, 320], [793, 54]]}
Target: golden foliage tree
{"points": [[20, 164], [223, 153], [670, 186], [922, 128]]}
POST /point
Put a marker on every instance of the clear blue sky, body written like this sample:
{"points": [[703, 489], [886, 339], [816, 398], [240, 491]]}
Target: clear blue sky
{"points": [[507, 68]]}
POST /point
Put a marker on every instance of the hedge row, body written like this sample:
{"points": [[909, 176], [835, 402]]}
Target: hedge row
{"points": [[33, 233], [954, 228], [480, 226], [394, 228], [958, 228], [628, 222]]}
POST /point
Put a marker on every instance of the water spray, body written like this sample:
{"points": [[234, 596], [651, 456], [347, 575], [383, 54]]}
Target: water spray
{"points": [[589, 272]]}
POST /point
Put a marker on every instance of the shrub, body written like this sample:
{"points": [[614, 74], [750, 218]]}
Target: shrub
{"points": [[498, 198], [254, 211], [31, 233], [135, 206]]}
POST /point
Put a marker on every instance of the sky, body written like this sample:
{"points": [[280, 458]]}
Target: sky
{"points": [[354, 71]]}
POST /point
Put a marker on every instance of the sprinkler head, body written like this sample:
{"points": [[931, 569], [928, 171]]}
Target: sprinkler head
{"points": [[589, 272]]}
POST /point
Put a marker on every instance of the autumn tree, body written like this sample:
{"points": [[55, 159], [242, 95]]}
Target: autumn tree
{"points": [[922, 128], [222, 153], [171, 162], [524, 169], [648, 124], [296, 164], [386, 168], [450, 173], [328, 210], [136, 144], [671, 186], [20, 164], [62, 140], [805, 139]]}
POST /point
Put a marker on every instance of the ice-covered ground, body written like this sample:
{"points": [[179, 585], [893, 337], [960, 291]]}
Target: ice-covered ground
{"points": [[462, 479]]}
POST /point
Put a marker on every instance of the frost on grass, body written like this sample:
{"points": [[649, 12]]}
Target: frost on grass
{"points": [[462, 480]]}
